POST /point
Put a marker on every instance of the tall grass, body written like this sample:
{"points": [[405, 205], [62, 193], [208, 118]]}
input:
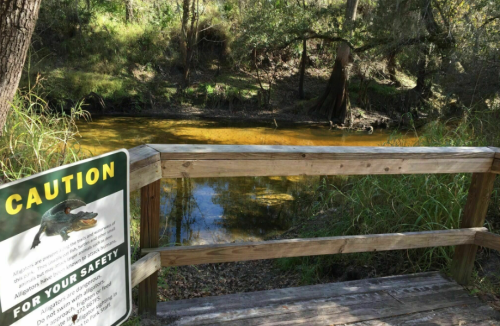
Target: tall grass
{"points": [[35, 138], [405, 203]]}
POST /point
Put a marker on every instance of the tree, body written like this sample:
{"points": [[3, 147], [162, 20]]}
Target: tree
{"points": [[333, 102], [303, 59], [302, 70], [189, 37], [129, 11], [17, 22]]}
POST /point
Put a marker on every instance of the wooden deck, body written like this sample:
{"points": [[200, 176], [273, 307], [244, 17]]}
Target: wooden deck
{"points": [[418, 299]]}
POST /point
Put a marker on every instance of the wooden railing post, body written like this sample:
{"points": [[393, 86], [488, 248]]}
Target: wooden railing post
{"points": [[474, 214], [149, 238]]}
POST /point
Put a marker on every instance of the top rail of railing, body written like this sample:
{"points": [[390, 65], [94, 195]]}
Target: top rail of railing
{"points": [[152, 162]]}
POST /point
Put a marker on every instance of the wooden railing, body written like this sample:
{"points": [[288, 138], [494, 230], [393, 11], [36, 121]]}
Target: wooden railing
{"points": [[150, 163]]}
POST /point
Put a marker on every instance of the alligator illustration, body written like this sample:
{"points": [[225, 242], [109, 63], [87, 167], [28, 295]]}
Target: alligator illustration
{"points": [[60, 220]]}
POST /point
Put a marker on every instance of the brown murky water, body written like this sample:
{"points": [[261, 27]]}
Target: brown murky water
{"points": [[214, 210]]}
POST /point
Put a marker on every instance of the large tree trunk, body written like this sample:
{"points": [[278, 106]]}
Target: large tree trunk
{"points": [[333, 102], [17, 22], [302, 70]]}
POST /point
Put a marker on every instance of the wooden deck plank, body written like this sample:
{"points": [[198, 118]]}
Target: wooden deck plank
{"points": [[338, 311], [223, 303], [278, 167], [474, 314], [271, 152], [218, 253], [375, 300]]}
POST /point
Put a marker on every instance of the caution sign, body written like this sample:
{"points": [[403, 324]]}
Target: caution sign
{"points": [[64, 245]]}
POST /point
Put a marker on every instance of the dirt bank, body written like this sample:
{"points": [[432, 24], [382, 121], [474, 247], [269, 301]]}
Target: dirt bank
{"points": [[361, 120]]}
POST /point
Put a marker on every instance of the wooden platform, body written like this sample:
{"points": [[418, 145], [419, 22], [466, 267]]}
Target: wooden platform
{"points": [[418, 299]]}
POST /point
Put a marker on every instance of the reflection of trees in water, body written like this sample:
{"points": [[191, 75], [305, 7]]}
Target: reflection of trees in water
{"points": [[238, 208], [257, 206], [177, 194], [181, 214]]}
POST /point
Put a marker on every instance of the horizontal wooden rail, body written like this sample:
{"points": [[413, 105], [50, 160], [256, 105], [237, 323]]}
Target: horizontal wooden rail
{"points": [[220, 253], [488, 240], [145, 267], [227, 168], [153, 162], [278, 152]]}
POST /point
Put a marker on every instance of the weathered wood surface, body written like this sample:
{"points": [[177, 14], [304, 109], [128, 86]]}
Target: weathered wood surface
{"points": [[474, 215], [236, 168], [495, 168], [247, 160], [145, 267], [270, 152], [149, 238], [496, 150], [331, 304], [145, 175], [142, 156], [474, 314], [488, 240], [218, 253]]}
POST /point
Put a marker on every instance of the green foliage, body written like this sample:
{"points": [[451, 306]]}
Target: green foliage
{"points": [[406, 203], [35, 139], [271, 24]]}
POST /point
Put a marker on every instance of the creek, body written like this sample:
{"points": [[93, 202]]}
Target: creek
{"points": [[217, 210]]}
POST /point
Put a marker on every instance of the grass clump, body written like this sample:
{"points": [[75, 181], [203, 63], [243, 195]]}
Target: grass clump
{"points": [[36, 139]]}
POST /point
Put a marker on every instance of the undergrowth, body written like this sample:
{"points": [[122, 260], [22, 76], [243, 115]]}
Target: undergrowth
{"points": [[404, 203], [36, 139]]}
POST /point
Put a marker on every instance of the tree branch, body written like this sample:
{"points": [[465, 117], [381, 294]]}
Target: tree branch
{"points": [[489, 20], [310, 34]]}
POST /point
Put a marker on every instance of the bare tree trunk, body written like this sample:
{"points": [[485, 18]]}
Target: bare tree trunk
{"points": [[391, 67], [189, 36], [333, 102], [184, 42], [17, 22], [80, 33], [129, 11], [302, 70]]}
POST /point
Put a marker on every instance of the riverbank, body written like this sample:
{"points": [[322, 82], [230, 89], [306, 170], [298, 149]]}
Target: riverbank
{"points": [[276, 117], [104, 134]]}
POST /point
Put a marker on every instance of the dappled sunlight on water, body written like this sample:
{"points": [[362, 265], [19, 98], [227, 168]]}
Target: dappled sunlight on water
{"points": [[216, 210], [106, 134]]}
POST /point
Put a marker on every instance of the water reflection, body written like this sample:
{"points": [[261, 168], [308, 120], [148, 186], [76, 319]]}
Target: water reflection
{"points": [[218, 210]]}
